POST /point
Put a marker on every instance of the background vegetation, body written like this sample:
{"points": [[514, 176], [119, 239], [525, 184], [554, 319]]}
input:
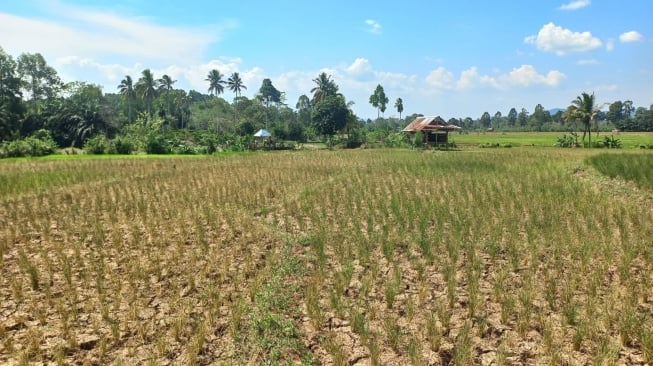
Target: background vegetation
{"points": [[39, 113]]}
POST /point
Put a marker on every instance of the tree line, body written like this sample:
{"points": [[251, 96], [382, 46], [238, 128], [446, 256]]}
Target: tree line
{"points": [[34, 101], [621, 115]]}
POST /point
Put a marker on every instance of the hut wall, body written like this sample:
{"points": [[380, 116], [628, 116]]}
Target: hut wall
{"points": [[434, 138]]}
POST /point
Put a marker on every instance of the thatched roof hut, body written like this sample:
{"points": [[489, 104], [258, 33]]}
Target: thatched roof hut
{"points": [[435, 129]]}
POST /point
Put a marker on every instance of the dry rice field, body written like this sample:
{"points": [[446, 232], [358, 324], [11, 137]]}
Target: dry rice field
{"points": [[523, 256]]}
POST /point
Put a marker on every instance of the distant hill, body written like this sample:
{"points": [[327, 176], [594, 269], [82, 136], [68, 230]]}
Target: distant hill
{"points": [[556, 110]]}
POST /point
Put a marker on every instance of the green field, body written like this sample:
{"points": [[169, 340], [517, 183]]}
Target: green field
{"points": [[629, 139], [529, 255]]}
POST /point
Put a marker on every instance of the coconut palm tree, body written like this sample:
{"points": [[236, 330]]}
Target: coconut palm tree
{"points": [[399, 104], [584, 109], [126, 89], [216, 84], [165, 85], [325, 87], [235, 84], [146, 88]]}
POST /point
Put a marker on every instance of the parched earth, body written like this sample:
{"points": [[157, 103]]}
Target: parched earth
{"points": [[174, 271]]}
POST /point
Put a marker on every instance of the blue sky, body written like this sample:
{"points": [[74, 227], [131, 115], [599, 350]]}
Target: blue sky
{"points": [[449, 58]]}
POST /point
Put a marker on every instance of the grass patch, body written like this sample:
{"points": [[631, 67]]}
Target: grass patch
{"points": [[629, 140], [637, 168]]}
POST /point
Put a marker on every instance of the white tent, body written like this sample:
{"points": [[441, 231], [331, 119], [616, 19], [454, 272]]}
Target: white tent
{"points": [[262, 133]]}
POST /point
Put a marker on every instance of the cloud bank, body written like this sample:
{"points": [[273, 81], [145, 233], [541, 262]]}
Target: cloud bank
{"points": [[561, 41]]}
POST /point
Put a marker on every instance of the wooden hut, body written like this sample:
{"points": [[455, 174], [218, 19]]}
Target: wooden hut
{"points": [[435, 131]]}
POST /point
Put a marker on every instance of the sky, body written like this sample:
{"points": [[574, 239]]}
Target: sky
{"points": [[454, 59]]}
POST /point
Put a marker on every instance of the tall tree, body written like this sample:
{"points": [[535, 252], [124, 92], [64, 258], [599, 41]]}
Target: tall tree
{"points": [[6, 131], [166, 85], [486, 120], [399, 104], [180, 107], [304, 110], [379, 100], [383, 104], [325, 87], [303, 103], [523, 117], [615, 112], [10, 97], [126, 89], [216, 84], [628, 108], [512, 116], [146, 87], [374, 101], [330, 115], [74, 119], [236, 85], [497, 119], [268, 93], [584, 109], [39, 79], [539, 117]]}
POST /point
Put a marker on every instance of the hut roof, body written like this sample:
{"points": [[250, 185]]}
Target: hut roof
{"points": [[262, 133], [430, 124]]}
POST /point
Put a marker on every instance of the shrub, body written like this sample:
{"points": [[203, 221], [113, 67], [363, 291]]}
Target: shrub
{"points": [[611, 142], [156, 144], [488, 145], [39, 144], [567, 141], [185, 149], [355, 138], [396, 140], [97, 145], [207, 141], [121, 145], [418, 140]]}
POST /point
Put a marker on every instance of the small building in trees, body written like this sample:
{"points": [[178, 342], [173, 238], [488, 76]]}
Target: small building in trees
{"points": [[435, 130]]}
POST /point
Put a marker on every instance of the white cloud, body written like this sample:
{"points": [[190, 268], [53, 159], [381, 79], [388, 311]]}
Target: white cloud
{"points": [[629, 37], [84, 33], [552, 38], [360, 66], [191, 76], [440, 78], [470, 78], [575, 5], [373, 26], [523, 76], [526, 75]]}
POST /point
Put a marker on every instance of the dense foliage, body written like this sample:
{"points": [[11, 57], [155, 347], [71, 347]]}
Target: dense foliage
{"points": [[148, 114]]}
